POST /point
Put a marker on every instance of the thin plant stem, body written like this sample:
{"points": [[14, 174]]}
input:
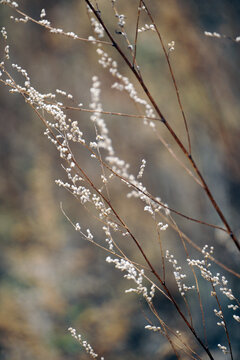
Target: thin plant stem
{"points": [[223, 319], [161, 251], [196, 280], [136, 34], [51, 29], [172, 76]]}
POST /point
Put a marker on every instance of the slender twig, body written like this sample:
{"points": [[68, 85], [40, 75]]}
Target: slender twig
{"points": [[223, 319], [172, 76], [161, 250], [52, 29], [136, 33], [195, 278], [167, 146], [174, 334], [195, 246], [122, 256]]}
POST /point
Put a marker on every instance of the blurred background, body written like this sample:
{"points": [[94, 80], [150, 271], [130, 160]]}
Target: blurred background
{"points": [[50, 278]]}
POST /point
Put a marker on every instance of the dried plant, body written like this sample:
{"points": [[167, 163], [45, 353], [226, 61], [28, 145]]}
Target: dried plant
{"points": [[95, 192]]}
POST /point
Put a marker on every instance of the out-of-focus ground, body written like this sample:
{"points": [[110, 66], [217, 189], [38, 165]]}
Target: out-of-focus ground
{"points": [[50, 278]]}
